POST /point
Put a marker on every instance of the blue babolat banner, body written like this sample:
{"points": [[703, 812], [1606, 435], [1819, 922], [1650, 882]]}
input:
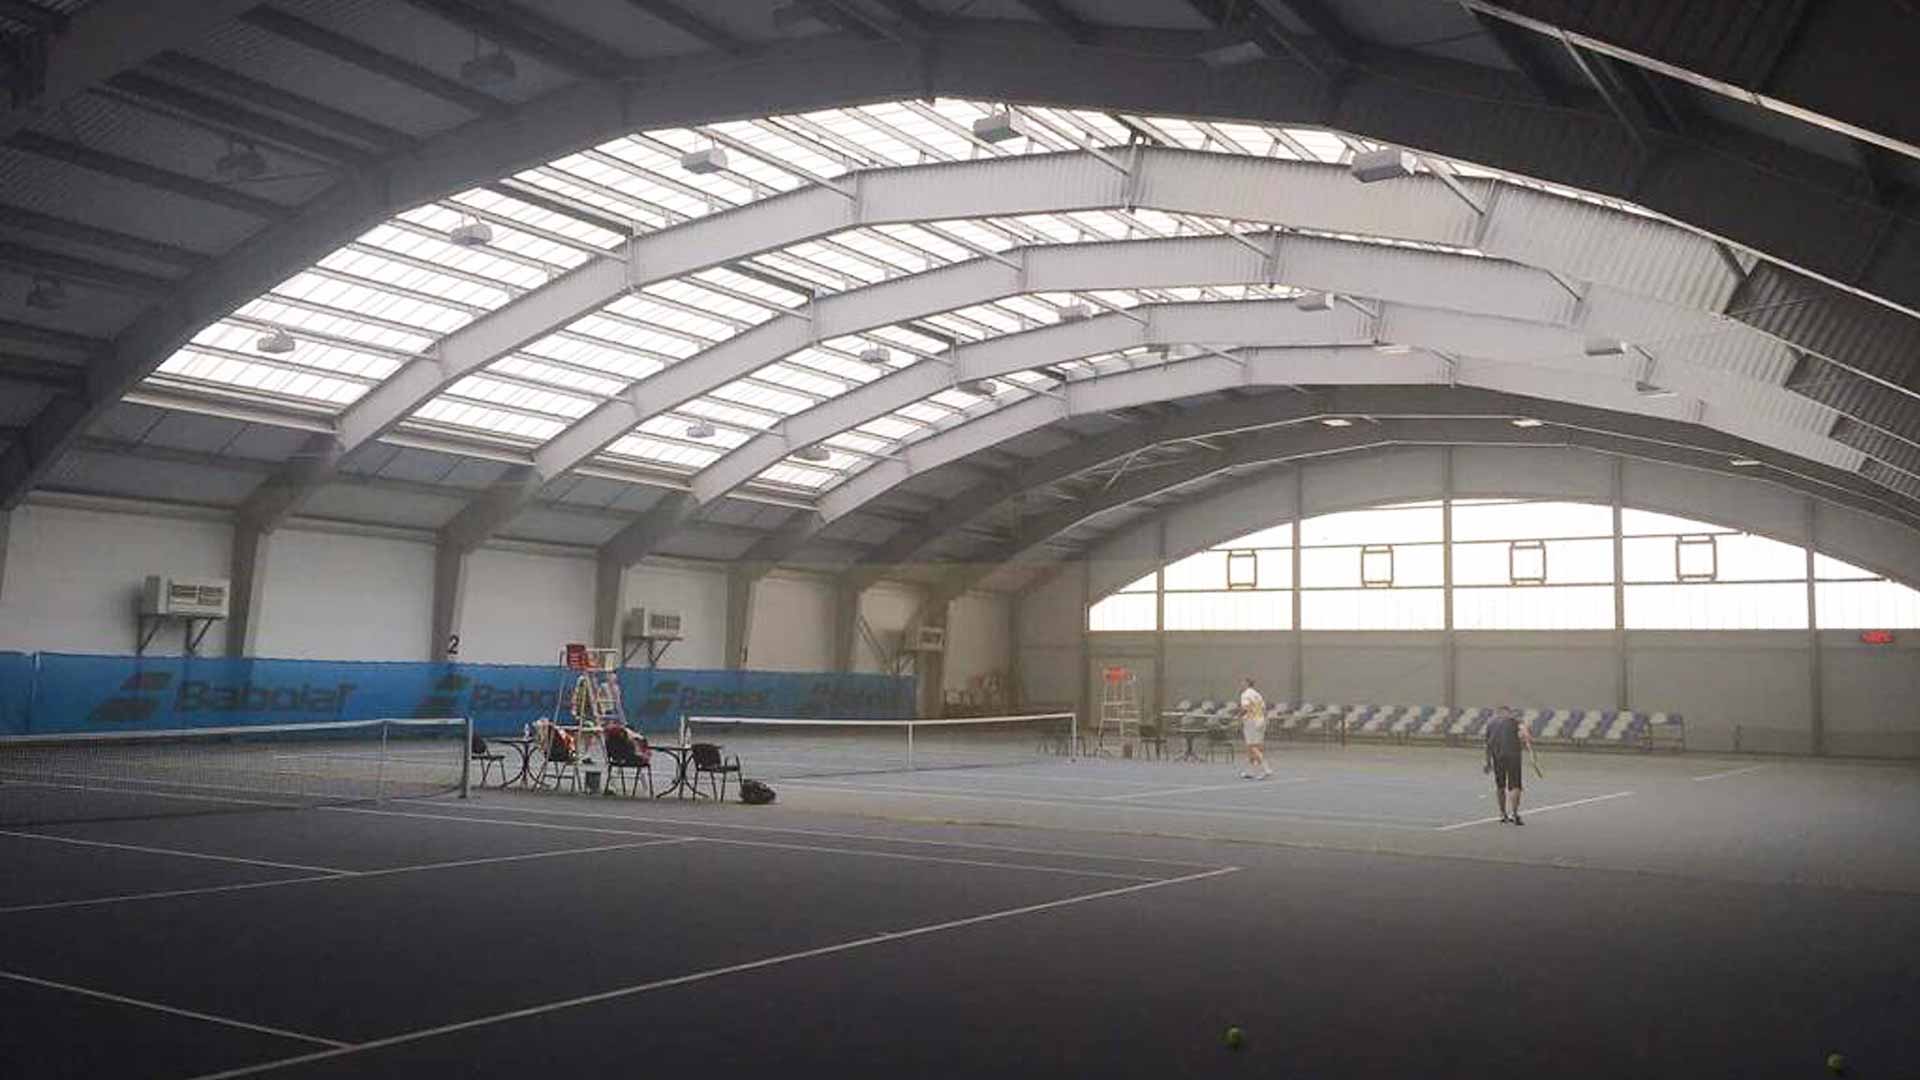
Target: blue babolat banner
{"points": [[56, 692], [16, 691]]}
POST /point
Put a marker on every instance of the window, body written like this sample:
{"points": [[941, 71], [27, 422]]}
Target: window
{"points": [[1517, 564]]}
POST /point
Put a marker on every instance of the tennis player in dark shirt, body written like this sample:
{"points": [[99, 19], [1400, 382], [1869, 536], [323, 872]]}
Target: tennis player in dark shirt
{"points": [[1507, 737]]}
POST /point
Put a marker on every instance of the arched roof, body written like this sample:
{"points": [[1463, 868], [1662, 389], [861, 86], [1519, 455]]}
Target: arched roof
{"points": [[626, 297]]}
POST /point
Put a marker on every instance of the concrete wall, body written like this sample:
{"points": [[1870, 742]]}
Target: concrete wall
{"points": [[699, 595], [334, 596], [73, 576], [792, 624], [887, 608], [521, 607], [1566, 669], [1380, 668], [978, 642]]}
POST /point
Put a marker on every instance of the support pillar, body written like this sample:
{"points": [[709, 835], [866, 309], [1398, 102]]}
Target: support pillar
{"points": [[1449, 644], [1620, 684], [247, 572], [931, 668], [1084, 706], [846, 627], [609, 601], [1816, 704], [1299, 635], [740, 591], [6, 520], [449, 598]]}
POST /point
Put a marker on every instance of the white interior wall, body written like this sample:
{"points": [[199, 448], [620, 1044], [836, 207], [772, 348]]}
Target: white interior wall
{"points": [[887, 608], [74, 575], [522, 607], [338, 596], [792, 624], [977, 640], [699, 595]]}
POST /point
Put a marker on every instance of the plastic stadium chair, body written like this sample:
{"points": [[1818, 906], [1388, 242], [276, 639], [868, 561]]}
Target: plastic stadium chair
{"points": [[627, 760], [1590, 724], [707, 762], [1435, 727]]}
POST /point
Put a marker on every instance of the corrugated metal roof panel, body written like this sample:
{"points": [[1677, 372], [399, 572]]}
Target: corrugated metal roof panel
{"points": [[1595, 243]]}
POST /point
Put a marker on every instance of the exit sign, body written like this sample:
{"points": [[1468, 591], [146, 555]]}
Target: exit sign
{"points": [[1876, 637]]}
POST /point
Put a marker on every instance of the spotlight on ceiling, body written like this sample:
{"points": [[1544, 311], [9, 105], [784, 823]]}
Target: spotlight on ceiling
{"points": [[1527, 422], [980, 387], [1076, 313], [275, 342], [472, 233], [1648, 390], [704, 162], [699, 429], [815, 454], [242, 161], [1000, 127], [1314, 301], [876, 356], [1606, 347], [1389, 163], [1744, 462], [47, 294], [494, 69], [1336, 421]]}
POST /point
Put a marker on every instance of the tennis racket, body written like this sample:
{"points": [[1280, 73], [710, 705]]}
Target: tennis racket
{"points": [[1534, 757]]}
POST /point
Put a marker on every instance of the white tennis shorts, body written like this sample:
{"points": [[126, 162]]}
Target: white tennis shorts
{"points": [[1255, 731]]}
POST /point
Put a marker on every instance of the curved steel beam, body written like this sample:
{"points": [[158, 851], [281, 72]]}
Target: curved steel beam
{"points": [[1584, 428], [1794, 206]]}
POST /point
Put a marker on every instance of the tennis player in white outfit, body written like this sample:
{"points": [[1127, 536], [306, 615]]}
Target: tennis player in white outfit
{"points": [[1253, 725]]}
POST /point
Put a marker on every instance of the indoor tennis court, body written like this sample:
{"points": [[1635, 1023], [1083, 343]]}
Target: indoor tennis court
{"points": [[532, 931]]}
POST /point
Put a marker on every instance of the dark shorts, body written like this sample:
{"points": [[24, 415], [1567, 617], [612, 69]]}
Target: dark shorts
{"points": [[1506, 772]]}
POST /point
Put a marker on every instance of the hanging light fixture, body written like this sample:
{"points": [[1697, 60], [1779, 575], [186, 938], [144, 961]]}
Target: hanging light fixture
{"points": [[815, 454], [700, 429], [275, 342], [242, 161], [471, 232]]}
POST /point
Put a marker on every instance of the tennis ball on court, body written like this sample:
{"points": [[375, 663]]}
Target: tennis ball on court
{"points": [[1235, 1038], [1836, 1063]]}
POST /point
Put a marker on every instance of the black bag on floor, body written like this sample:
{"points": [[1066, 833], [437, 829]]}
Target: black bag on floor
{"points": [[755, 793]]}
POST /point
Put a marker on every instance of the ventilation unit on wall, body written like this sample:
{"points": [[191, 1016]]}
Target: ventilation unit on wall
{"points": [[930, 639], [185, 598], [652, 624]]}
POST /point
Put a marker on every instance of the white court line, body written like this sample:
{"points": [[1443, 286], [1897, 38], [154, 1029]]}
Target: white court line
{"points": [[173, 851], [342, 875], [158, 1007], [836, 835], [1733, 772], [1347, 820], [901, 855], [1534, 810], [712, 973], [1243, 785]]}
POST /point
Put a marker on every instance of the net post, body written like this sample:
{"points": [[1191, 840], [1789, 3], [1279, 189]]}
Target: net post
{"points": [[380, 776], [466, 756], [1073, 735], [909, 746]]}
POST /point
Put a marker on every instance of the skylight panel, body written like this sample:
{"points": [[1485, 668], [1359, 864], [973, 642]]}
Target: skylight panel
{"points": [[925, 412], [889, 427], [871, 136], [525, 366], [788, 474], [760, 395], [797, 377], [784, 265], [954, 399], [661, 452], [723, 412], [585, 352], [841, 370], [1324, 145], [539, 217], [859, 443], [907, 338], [703, 330], [672, 428], [773, 296], [977, 234], [594, 184], [267, 309], [782, 146], [658, 341]]}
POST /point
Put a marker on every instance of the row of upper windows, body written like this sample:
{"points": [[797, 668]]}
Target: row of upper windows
{"points": [[1517, 564]]}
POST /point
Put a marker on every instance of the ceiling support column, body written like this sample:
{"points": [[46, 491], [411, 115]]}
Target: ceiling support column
{"points": [[6, 520], [846, 625], [247, 586], [449, 599], [740, 594], [1816, 692], [609, 594]]}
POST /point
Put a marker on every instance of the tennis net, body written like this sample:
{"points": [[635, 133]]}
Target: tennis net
{"points": [[97, 776], [774, 747]]}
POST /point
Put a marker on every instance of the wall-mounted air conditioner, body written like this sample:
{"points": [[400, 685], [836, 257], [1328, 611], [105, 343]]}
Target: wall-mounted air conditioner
{"points": [[652, 623], [197, 598], [930, 639]]}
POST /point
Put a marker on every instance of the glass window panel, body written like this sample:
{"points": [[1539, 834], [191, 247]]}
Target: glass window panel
{"points": [[1124, 611], [1755, 558], [1376, 565], [1335, 567], [1243, 570], [1866, 605], [1372, 609], [1384, 525], [1419, 564], [1230, 611], [1145, 584], [1696, 558], [1527, 562], [1534, 607], [1276, 568], [1649, 523], [1647, 559], [1717, 606], [1826, 568], [1480, 564], [1205, 570], [1529, 520], [1275, 536]]}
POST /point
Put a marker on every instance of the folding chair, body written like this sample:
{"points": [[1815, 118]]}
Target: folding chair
{"points": [[707, 762], [559, 761], [488, 759], [628, 761]]}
